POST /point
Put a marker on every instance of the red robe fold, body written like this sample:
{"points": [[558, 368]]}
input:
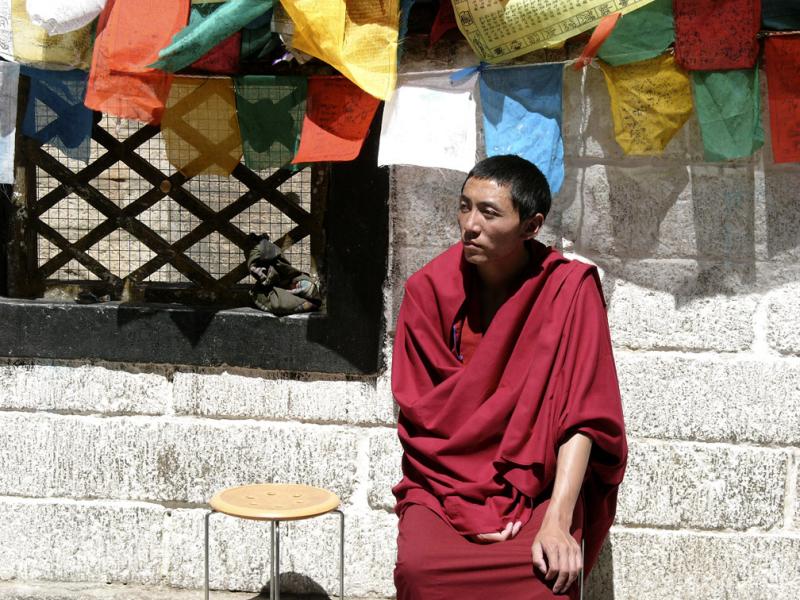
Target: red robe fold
{"points": [[481, 439]]}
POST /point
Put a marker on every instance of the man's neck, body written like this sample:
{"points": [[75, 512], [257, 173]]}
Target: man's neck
{"points": [[502, 275]]}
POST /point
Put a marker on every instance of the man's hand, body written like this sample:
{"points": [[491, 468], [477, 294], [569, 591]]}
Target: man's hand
{"points": [[511, 530], [557, 555]]}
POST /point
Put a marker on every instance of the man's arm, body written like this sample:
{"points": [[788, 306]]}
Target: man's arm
{"points": [[555, 552]]}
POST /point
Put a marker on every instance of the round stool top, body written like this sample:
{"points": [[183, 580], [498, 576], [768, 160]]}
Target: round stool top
{"points": [[274, 501]]}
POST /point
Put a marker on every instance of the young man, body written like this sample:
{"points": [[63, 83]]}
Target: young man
{"points": [[510, 416]]}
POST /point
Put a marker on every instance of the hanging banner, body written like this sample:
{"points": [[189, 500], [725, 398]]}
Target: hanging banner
{"points": [[445, 21], [782, 61], [356, 37], [258, 38], [337, 120], [712, 35], [9, 85], [200, 128], [522, 116], [31, 45], [271, 111], [780, 15], [500, 30], [222, 58], [6, 38], [650, 102], [63, 16], [642, 34], [728, 105], [193, 42], [129, 34], [55, 113], [430, 122]]}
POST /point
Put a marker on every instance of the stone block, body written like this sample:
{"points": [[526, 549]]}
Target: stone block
{"points": [[783, 325], [385, 454], [782, 213], [16, 590], [311, 398], [84, 389], [63, 540], [703, 486], [169, 459], [665, 565], [425, 206], [710, 399]]}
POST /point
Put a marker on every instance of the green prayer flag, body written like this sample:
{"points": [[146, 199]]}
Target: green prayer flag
{"points": [[207, 28], [728, 105], [639, 35], [271, 110], [258, 39]]}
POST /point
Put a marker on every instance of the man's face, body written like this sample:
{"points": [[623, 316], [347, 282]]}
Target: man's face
{"points": [[490, 225]]}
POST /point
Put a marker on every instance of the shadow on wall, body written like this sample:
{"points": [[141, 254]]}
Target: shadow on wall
{"points": [[600, 583]]}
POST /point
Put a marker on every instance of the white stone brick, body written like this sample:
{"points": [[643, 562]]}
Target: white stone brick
{"points": [[83, 389], [170, 459], [663, 565], [425, 206], [385, 454], [316, 398], [703, 486], [782, 213], [783, 326], [16, 590], [710, 399]]}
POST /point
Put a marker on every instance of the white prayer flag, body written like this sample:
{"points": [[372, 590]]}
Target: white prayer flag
{"points": [[430, 122], [9, 86], [62, 16], [6, 37]]}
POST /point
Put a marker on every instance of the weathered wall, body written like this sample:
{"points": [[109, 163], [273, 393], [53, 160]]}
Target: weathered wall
{"points": [[105, 469]]}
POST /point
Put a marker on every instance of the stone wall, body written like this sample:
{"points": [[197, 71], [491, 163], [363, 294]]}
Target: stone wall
{"points": [[106, 468]]}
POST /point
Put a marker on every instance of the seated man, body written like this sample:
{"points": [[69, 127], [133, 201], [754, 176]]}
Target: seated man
{"points": [[510, 415]]}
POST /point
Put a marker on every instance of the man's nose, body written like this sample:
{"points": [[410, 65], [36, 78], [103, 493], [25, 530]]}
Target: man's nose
{"points": [[472, 223]]}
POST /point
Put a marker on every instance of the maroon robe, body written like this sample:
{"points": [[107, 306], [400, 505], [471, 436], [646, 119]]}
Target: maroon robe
{"points": [[480, 440]]}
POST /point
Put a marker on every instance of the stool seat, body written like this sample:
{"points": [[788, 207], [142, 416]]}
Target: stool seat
{"points": [[275, 501]]}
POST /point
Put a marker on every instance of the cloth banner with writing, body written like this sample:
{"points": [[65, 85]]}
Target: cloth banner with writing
{"points": [[271, 110], [642, 34], [55, 113], [780, 14], [356, 37], [200, 128], [222, 58], [430, 122], [9, 86], [206, 31], [522, 116], [728, 105], [129, 34], [650, 102], [782, 61], [63, 16], [337, 120], [29, 44], [711, 35]]}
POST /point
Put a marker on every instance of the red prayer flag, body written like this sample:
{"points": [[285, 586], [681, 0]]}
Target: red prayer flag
{"points": [[712, 35], [782, 60], [130, 34], [599, 35], [445, 21], [338, 116], [222, 58]]}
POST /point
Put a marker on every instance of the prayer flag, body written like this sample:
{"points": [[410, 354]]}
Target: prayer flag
{"points": [[356, 37], [63, 16], [780, 14], [200, 129], [55, 113], [712, 35], [338, 116], [728, 105], [445, 21], [271, 110], [129, 34], [6, 37], [222, 58], [430, 122], [650, 102], [642, 34], [522, 116], [205, 32], [782, 60], [9, 86], [258, 39]]}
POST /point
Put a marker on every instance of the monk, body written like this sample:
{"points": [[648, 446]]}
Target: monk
{"points": [[510, 415]]}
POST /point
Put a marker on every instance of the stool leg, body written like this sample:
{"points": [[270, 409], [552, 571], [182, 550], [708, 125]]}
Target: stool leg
{"points": [[581, 574], [275, 585], [205, 585], [341, 554]]}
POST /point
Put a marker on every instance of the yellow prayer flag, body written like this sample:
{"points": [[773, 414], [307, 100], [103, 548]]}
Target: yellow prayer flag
{"points": [[650, 102], [200, 127], [356, 37], [33, 46]]}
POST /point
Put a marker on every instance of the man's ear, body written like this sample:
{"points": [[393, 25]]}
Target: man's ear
{"points": [[532, 225]]}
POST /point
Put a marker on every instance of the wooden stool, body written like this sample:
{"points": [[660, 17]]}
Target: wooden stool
{"points": [[276, 502]]}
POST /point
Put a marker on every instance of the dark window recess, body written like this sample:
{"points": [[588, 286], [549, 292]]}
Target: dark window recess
{"points": [[170, 253]]}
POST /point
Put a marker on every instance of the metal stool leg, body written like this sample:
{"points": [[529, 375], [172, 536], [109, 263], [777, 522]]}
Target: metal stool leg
{"points": [[275, 584], [205, 586], [341, 553], [581, 575]]}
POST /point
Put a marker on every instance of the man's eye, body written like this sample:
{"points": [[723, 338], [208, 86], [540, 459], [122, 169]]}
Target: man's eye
{"points": [[463, 207]]}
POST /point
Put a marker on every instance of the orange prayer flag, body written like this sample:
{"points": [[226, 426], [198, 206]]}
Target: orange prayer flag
{"points": [[782, 61], [338, 116], [130, 34], [599, 35]]}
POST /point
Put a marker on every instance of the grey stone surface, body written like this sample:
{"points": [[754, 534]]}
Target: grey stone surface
{"points": [[169, 459], [782, 213], [662, 565], [425, 206], [29, 590], [783, 324], [385, 454], [671, 396], [703, 486]]}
